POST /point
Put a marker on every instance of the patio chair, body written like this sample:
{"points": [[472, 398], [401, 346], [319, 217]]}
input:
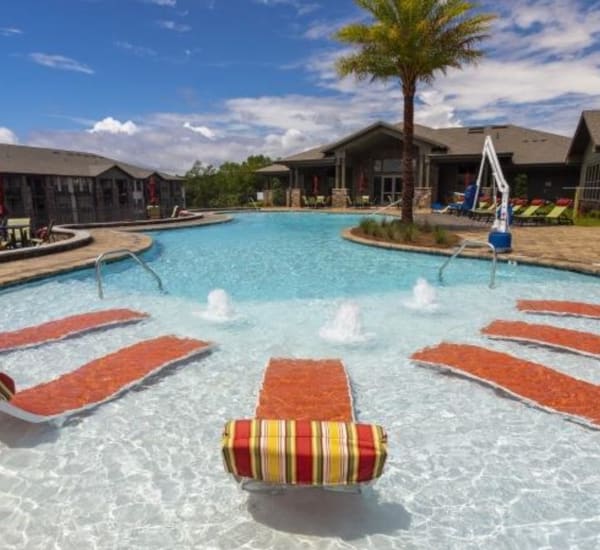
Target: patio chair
{"points": [[557, 215], [44, 234], [320, 201], [365, 200], [19, 231], [530, 213]]}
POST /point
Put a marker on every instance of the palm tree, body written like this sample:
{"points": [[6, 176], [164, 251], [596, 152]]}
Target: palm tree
{"points": [[411, 40]]}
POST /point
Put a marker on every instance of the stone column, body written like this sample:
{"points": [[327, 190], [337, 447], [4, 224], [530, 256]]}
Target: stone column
{"points": [[339, 197], [267, 197], [296, 198]]}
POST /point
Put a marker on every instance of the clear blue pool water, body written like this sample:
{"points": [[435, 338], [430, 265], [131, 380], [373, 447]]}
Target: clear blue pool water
{"points": [[286, 256], [467, 468]]}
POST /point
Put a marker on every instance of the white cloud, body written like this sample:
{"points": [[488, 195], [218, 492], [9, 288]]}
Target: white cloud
{"points": [[8, 136], [60, 62], [290, 141], [170, 3], [140, 51], [10, 31], [302, 8], [109, 125], [202, 130], [173, 26]]}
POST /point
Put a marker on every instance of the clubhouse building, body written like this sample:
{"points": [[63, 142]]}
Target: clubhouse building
{"points": [[369, 162], [76, 187]]}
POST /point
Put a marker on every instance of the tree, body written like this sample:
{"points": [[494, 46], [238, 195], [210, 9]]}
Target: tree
{"points": [[232, 184], [412, 40]]}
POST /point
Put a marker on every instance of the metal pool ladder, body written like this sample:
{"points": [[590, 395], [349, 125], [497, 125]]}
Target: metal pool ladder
{"points": [[122, 252], [473, 243]]}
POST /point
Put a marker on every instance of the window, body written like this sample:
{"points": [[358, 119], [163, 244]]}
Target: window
{"points": [[591, 189], [107, 196], [123, 195]]}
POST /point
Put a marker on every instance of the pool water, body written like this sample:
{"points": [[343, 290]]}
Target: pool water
{"points": [[467, 468]]}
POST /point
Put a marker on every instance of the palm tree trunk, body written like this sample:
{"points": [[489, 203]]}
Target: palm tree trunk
{"points": [[408, 173]]}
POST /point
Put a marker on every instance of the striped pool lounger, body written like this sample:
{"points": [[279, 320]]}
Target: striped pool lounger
{"points": [[7, 387], [303, 452]]}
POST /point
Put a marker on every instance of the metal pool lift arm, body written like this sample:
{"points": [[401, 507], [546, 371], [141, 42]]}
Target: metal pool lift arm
{"points": [[489, 153]]}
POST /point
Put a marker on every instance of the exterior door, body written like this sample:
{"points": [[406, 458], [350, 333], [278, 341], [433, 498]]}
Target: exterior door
{"points": [[390, 189]]}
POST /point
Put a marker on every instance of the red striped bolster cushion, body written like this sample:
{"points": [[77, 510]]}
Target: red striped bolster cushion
{"points": [[304, 452], [7, 387]]}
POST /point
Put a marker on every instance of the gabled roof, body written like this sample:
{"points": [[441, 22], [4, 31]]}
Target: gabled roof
{"points": [[524, 145], [588, 131], [22, 159], [273, 169]]}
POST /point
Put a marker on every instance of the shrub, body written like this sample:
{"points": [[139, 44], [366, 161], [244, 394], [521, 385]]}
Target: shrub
{"points": [[440, 235]]}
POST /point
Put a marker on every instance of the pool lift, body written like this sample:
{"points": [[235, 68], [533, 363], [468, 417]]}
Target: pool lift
{"points": [[499, 236]]}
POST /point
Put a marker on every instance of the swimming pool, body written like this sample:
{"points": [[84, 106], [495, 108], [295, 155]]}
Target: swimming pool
{"points": [[467, 468]]}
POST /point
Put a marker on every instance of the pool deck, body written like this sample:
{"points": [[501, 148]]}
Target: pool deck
{"points": [[103, 240], [564, 247]]}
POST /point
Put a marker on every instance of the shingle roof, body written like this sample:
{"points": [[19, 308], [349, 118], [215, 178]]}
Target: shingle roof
{"points": [[21, 159], [273, 169], [588, 130], [592, 120], [527, 146]]}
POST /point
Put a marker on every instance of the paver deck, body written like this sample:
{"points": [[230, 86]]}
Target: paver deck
{"points": [[575, 341], [101, 379], [532, 383], [67, 327], [560, 307], [305, 389]]}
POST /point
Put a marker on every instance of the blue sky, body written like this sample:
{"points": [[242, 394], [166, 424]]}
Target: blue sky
{"points": [[163, 83]]}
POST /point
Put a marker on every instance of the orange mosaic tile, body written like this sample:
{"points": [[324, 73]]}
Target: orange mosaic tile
{"points": [[69, 326], [305, 389], [560, 338], [103, 378], [534, 383], [557, 307]]}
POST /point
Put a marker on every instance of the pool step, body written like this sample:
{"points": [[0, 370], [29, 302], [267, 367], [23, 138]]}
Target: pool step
{"points": [[558, 307], [305, 389], [530, 382], [101, 379], [574, 341], [67, 327]]}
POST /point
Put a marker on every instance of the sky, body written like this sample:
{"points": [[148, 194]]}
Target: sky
{"points": [[165, 83]]}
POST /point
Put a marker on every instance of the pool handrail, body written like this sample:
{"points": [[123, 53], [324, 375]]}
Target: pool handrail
{"points": [[380, 210], [122, 252], [461, 247]]}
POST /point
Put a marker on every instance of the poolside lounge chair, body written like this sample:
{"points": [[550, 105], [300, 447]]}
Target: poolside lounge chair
{"points": [[304, 433], [529, 213], [557, 214], [98, 381]]}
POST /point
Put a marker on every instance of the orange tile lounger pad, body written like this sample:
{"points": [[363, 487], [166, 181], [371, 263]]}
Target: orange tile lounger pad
{"points": [[305, 389], [69, 326], [574, 341], [535, 384], [101, 379], [557, 307]]}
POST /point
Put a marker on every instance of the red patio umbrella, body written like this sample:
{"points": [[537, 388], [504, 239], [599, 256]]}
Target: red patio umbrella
{"points": [[152, 190], [315, 185], [362, 183]]}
